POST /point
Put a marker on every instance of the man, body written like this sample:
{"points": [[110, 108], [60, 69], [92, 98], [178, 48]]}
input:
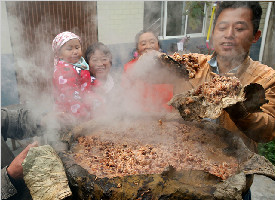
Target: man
{"points": [[232, 38], [143, 91], [235, 29], [12, 184], [16, 123]]}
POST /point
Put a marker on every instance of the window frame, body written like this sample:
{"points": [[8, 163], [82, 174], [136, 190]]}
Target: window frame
{"points": [[164, 24]]}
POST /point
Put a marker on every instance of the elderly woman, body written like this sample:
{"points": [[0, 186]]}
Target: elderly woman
{"points": [[99, 58], [151, 97]]}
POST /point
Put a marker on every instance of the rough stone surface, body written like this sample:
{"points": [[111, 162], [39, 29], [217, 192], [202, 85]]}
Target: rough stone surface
{"points": [[263, 188]]}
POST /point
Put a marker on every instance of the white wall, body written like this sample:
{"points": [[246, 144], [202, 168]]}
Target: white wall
{"points": [[5, 33], [119, 21]]}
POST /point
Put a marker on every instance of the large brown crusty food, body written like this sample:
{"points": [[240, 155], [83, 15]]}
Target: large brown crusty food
{"points": [[156, 67], [215, 143], [151, 147], [209, 99], [186, 65]]}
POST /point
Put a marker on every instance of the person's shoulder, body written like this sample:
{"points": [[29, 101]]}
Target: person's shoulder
{"points": [[258, 66], [129, 64], [132, 61], [265, 73]]}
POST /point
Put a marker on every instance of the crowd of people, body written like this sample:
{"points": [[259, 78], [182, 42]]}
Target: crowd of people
{"points": [[82, 84]]}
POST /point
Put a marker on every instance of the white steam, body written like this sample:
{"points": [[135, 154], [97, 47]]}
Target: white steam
{"points": [[34, 67], [35, 72]]}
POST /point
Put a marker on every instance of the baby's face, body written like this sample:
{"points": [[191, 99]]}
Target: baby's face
{"points": [[71, 51], [100, 65]]}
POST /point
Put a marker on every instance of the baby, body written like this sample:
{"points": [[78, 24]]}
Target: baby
{"points": [[71, 79]]}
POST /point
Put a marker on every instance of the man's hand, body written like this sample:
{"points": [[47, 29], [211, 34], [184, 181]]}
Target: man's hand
{"points": [[15, 169], [255, 98]]}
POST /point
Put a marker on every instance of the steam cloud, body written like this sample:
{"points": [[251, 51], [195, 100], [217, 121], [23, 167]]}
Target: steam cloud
{"points": [[38, 98], [34, 71]]}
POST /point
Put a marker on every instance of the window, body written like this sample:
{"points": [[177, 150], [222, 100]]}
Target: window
{"points": [[175, 18]]}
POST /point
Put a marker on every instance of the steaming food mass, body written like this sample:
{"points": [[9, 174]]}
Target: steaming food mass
{"points": [[209, 99], [186, 65], [220, 87], [151, 147]]}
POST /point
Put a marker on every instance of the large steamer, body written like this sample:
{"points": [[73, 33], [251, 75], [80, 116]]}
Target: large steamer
{"points": [[160, 158]]}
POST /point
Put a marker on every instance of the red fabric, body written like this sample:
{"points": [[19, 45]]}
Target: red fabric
{"points": [[70, 89], [130, 64], [154, 96], [95, 83]]}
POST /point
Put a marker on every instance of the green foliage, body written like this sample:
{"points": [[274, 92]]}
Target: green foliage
{"points": [[268, 150], [195, 8], [195, 11]]}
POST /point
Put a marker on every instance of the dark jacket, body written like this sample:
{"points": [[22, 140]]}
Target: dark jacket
{"points": [[16, 123]]}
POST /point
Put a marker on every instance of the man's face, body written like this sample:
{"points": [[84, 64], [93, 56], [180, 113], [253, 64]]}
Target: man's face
{"points": [[233, 33]]}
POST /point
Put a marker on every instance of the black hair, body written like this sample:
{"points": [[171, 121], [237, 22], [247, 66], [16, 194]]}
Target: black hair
{"points": [[253, 5], [145, 31], [97, 46]]}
